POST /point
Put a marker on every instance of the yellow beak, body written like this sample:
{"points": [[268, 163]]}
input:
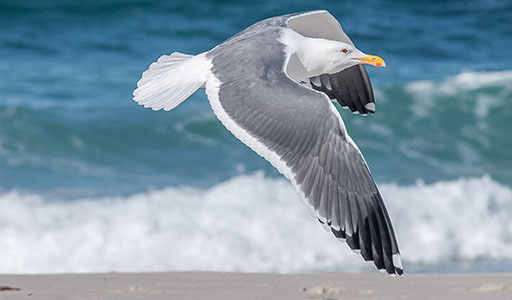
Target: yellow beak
{"points": [[372, 60]]}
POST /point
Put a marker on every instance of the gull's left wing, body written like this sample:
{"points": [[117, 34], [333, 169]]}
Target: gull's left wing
{"points": [[301, 133]]}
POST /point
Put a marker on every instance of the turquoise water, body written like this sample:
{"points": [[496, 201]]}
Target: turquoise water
{"points": [[69, 130]]}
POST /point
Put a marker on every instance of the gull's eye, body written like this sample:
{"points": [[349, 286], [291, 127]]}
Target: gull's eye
{"points": [[344, 50]]}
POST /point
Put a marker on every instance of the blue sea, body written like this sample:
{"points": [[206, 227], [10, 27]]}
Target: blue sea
{"points": [[92, 182]]}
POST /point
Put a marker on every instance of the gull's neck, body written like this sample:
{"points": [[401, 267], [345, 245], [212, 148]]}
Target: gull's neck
{"points": [[304, 55]]}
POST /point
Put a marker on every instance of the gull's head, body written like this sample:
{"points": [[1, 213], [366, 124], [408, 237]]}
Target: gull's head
{"points": [[333, 56], [315, 56], [322, 56], [340, 55]]}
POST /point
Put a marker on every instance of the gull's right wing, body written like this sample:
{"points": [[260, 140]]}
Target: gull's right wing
{"points": [[351, 88]]}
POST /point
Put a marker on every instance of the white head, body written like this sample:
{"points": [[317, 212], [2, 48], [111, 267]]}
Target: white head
{"points": [[330, 57], [315, 56]]}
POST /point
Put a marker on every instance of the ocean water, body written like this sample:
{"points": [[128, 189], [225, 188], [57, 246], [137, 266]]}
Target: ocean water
{"points": [[90, 181]]}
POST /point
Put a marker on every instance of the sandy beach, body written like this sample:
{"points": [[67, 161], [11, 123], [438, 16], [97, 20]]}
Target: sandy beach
{"points": [[212, 285]]}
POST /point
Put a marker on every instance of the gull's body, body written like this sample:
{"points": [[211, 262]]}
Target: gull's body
{"points": [[256, 85]]}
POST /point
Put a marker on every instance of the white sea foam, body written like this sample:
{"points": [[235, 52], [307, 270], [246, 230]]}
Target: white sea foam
{"points": [[248, 223], [467, 85], [465, 81]]}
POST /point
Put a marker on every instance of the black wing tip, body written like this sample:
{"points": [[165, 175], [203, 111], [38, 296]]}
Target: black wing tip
{"points": [[352, 88], [370, 107], [319, 84], [397, 264], [394, 269]]}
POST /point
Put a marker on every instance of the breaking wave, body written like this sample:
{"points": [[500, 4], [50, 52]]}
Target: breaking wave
{"points": [[248, 223]]}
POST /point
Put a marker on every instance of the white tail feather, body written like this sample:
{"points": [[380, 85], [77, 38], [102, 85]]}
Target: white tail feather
{"points": [[171, 80]]}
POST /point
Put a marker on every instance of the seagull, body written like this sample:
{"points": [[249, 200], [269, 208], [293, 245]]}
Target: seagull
{"points": [[273, 86]]}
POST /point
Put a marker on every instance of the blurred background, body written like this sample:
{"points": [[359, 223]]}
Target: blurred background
{"points": [[91, 182]]}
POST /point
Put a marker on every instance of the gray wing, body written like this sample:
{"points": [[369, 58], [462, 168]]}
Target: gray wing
{"points": [[351, 88], [300, 132]]}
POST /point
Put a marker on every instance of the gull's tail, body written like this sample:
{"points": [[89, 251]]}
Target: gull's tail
{"points": [[171, 80]]}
